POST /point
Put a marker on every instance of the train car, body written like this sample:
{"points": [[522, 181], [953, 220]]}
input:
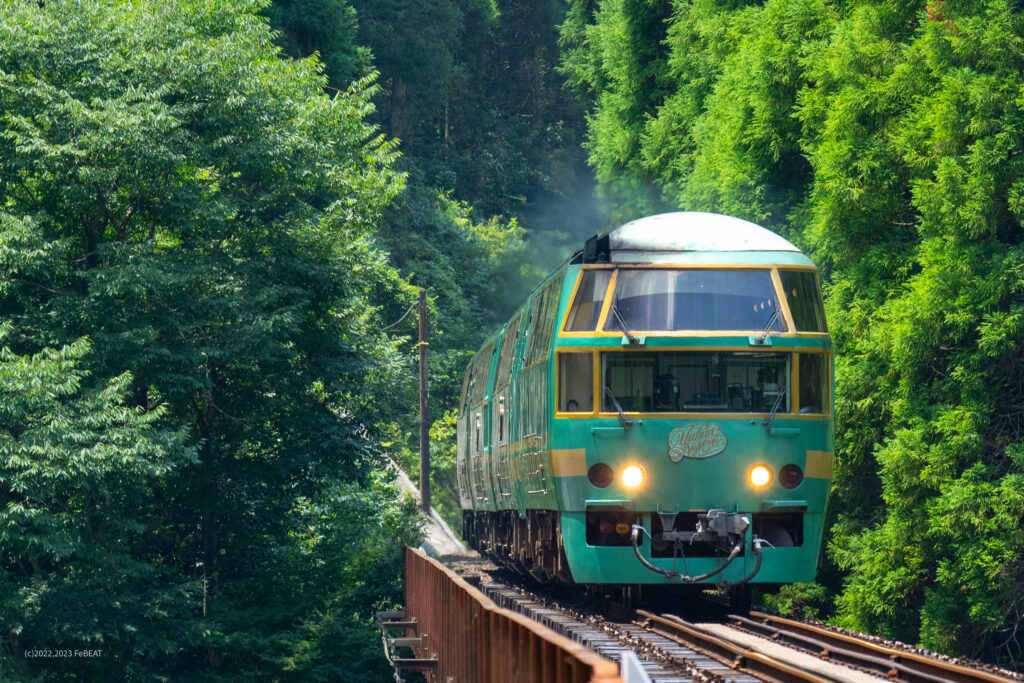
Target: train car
{"points": [[659, 410]]}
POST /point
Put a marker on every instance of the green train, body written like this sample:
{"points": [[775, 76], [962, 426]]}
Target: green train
{"points": [[659, 410]]}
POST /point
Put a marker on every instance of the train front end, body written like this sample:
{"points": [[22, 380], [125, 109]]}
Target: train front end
{"points": [[692, 434]]}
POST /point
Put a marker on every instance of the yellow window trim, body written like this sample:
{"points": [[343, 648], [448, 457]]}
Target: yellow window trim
{"points": [[772, 268], [828, 381], [607, 303], [731, 347], [714, 266], [575, 289], [694, 416], [572, 300], [695, 333], [785, 296], [598, 399], [595, 380], [783, 301], [794, 388]]}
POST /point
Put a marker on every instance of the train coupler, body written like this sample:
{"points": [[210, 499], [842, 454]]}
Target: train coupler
{"points": [[717, 527]]}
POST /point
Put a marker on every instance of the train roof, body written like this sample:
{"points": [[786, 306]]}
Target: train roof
{"points": [[690, 237]]}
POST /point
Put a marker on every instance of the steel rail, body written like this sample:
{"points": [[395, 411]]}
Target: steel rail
{"points": [[730, 654], [892, 663]]}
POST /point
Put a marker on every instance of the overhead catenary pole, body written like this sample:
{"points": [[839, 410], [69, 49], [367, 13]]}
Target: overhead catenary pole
{"points": [[424, 407]]}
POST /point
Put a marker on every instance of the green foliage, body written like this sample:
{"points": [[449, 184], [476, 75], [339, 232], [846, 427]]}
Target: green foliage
{"points": [[884, 137], [196, 492], [443, 474], [326, 28], [799, 600], [620, 60], [342, 561], [76, 467], [944, 294], [469, 267], [471, 90], [421, 48]]}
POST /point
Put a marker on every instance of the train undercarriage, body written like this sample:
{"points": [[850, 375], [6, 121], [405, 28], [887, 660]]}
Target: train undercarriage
{"points": [[532, 545]]}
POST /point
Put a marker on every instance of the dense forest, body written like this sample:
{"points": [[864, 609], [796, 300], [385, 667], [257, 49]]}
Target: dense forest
{"points": [[214, 215]]}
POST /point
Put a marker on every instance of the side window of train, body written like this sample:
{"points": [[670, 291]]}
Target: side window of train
{"points": [[576, 382], [815, 383], [480, 370], [508, 348], [478, 427], [509, 343], [545, 307], [527, 335], [501, 419], [586, 305], [467, 389], [481, 374]]}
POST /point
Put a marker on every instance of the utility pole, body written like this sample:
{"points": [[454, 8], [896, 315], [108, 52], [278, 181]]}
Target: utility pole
{"points": [[424, 407]]}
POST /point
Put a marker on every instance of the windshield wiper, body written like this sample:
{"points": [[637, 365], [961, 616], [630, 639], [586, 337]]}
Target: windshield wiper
{"points": [[626, 422], [768, 325], [775, 409], [622, 326]]}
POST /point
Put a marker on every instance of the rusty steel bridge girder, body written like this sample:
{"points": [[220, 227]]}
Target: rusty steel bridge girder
{"points": [[474, 640]]}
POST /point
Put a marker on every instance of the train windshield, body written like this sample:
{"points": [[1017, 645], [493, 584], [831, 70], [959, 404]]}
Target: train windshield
{"points": [[678, 382], [801, 287], [648, 299]]}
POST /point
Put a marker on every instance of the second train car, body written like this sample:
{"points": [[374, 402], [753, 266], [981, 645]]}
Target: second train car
{"points": [[659, 410]]}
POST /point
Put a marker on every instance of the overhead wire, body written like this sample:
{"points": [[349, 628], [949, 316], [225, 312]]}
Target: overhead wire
{"points": [[404, 316]]}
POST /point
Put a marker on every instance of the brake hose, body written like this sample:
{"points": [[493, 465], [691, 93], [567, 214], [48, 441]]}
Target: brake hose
{"points": [[692, 579], [755, 545]]}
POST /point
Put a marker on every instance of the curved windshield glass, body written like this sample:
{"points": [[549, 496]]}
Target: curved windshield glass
{"points": [[801, 287], [586, 308], [699, 381], [695, 299]]}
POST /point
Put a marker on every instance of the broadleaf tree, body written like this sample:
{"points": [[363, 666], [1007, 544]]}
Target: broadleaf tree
{"points": [[188, 258]]}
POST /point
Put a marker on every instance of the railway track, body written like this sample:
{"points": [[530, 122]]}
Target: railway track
{"points": [[664, 660], [733, 649], [892, 663]]}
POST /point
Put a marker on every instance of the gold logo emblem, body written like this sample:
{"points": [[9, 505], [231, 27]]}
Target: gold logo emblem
{"points": [[696, 441]]}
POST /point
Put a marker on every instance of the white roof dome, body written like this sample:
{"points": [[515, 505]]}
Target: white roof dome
{"points": [[688, 231]]}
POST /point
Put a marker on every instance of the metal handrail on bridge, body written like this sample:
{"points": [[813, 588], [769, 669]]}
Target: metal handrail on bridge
{"points": [[475, 641]]}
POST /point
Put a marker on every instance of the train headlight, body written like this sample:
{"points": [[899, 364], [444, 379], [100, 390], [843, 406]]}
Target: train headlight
{"points": [[760, 476], [633, 476]]}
